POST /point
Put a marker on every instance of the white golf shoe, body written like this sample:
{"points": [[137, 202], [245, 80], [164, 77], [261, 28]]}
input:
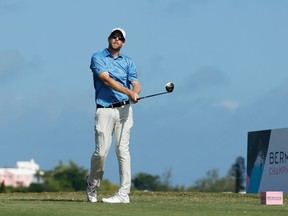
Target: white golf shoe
{"points": [[117, 198], [91, 192]]}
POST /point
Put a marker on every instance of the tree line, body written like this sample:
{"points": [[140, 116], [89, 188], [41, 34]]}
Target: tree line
{"points": [[70, 177]]}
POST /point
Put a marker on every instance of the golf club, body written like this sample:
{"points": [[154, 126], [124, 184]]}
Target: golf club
{"points": [[169, 88]]}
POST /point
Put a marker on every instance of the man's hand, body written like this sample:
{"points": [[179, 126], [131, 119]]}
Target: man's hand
{"points": [[133, 97]]}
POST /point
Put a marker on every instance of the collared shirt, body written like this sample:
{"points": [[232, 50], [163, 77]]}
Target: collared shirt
{"points": [[122, 69]]}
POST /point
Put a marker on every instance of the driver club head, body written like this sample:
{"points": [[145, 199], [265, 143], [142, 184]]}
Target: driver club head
{"points": [[169, 87]]}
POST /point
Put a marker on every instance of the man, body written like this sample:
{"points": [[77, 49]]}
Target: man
{"points": [[116, 85]]}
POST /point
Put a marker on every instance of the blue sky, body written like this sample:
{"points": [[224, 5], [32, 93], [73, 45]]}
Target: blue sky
{"points": [[227, 59]]}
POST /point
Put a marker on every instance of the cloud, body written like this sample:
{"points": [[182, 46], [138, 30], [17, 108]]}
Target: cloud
{"points": [[207, 77], [228, 104], [13, 65], [266, 111], [10, 62], [7, 6]]}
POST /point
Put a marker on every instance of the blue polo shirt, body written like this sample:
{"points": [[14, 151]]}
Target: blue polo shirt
{"points": [[122, 69]]}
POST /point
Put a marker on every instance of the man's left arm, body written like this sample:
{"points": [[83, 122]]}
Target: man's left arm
{"points": [[136, 87], [133, 78]]}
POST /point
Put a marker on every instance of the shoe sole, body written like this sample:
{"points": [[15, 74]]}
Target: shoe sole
{"points": [[105, 201], [91, 200]]}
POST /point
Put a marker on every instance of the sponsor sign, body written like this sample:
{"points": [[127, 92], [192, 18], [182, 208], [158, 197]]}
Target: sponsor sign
{"points": [[267, 161]]}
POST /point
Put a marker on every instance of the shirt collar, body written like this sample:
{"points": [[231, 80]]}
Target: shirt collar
{"points": [[107, 53]]}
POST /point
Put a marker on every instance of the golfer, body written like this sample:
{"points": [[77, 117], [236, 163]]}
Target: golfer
{"points": [[116, 86]]}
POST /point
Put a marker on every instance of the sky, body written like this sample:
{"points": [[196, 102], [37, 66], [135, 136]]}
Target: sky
{"points": [[226, 58]]}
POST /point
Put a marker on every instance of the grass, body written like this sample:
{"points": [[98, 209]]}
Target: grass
{"points": [[142, 204]]}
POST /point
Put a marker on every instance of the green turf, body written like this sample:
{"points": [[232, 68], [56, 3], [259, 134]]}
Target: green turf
{"points": [[142, 203]]}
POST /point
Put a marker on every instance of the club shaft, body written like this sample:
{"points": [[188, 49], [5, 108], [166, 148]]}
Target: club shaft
{"points": [[152, 95]]}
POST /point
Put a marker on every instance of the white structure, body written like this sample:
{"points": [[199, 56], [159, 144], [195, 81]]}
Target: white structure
{"points": [[22, 175]]}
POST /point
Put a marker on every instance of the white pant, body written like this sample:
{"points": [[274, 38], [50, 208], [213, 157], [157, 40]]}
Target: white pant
{"points": [[109, 121]]}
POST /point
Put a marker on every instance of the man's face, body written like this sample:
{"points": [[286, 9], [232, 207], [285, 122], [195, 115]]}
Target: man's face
{"points": [[116, 40]]}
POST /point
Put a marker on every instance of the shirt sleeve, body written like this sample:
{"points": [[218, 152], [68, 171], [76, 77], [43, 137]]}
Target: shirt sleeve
{"points": [[132, 72], [98, 65]]}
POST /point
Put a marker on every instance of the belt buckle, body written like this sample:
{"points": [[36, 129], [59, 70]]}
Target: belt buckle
{"points": [[124, 103], [114, 105], [119, 104]]}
